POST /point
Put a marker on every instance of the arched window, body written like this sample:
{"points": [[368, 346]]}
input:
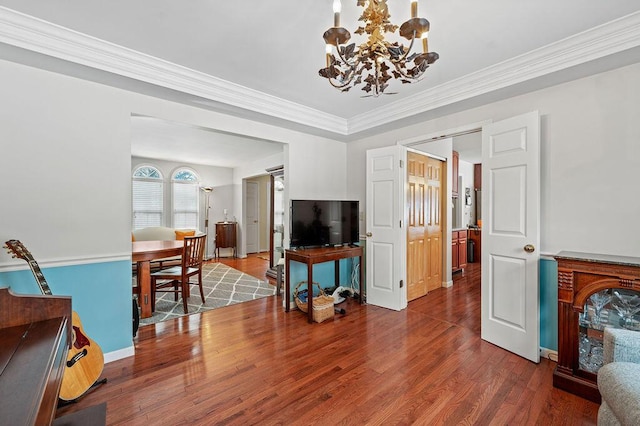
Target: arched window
{"points": [[146, 191], [184, 185]]}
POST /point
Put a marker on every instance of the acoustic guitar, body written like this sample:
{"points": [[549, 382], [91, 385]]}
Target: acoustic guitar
{"points": [[85, 360]]}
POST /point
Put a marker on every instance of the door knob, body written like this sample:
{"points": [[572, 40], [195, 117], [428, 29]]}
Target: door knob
{"points": [[529, 248], [369, 234]]}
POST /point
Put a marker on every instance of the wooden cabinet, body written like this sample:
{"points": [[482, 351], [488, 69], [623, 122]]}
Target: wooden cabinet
{"points": [[226, 233], [458, 250], [454, 175], [477, 177], [583, 278], [475, 235]]}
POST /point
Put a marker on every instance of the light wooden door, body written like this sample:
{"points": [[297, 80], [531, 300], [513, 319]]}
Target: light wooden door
{"points": [[511, 234], [417, 213], [424, 227], [385, 249], [435, 176]]}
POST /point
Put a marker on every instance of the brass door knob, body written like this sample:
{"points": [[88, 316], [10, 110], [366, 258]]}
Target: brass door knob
{"points": [[529, 248], [369, 234]]}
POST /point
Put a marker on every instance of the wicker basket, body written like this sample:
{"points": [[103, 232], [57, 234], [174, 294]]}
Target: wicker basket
{"points": [[322, 304]]}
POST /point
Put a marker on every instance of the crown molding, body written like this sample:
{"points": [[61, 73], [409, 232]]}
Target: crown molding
{"points": [[34, 34], [30, 33], [606, 39]]}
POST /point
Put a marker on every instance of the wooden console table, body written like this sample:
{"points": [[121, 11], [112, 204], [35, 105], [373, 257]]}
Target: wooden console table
{"points": [[318, 255], [579, 276]]}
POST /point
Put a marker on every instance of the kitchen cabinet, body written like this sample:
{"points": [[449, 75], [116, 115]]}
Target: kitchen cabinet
{"points": [[458, 250], [475, 235], [477, 177], [454, 175]]}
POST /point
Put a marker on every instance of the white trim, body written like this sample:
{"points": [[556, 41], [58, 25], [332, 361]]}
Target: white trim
{"points": [[448, 133], [87, 260], [119, 354], [447, 284], [27, 32]]}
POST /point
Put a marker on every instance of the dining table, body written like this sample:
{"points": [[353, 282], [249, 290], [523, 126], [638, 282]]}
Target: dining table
{"points": [[143, 252]]}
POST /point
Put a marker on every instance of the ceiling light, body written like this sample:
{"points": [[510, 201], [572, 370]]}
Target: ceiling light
{"points": [[377, 60]]}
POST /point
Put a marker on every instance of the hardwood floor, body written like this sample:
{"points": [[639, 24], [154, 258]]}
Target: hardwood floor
{"points": [[252, 363]]}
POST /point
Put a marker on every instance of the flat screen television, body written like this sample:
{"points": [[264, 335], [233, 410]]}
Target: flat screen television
{"points": [[319, 223]]}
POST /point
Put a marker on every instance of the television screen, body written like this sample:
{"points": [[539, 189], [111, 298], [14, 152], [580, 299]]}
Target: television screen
{"points": [[317, 223]]}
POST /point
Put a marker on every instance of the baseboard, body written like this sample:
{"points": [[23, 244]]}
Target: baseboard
{"points": [[447, 284], [119, 354], [549, 354]]}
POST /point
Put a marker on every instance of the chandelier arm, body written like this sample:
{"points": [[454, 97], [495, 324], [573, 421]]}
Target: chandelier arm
{"points": [[353, 75], [408, 49], [407, 76], [353, 65]]}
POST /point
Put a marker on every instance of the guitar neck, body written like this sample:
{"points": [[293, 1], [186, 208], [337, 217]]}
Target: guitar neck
{"points": [[39, 276], [16, 248]]}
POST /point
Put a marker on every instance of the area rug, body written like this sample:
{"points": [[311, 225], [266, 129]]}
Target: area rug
{"points": [[222, 286]]}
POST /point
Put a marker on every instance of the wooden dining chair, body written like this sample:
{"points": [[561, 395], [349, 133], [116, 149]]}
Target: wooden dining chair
{"points": [[178, 276]]}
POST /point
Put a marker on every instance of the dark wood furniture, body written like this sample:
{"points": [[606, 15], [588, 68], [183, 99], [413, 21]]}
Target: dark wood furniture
{"points": [[477, 177], [312, 256], [226, 237], [579, 276], [35, 336], [143, 252], [178, 276], [458, 250], [475, 235]]}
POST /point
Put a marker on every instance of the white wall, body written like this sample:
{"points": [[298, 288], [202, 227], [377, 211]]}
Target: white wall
{"points": [[65, 166], [590, 155]]}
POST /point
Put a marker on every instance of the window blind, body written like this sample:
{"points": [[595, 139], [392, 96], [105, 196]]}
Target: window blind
{"points": [[185, 205], [147, 203]]}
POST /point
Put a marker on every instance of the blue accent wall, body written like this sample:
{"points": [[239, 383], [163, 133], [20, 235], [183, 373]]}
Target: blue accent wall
{"points": [[323, 273], [549, 304], [101, 295]]}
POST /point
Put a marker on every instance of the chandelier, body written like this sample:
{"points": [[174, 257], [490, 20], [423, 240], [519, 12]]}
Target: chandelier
{"points": [[376, 60]]}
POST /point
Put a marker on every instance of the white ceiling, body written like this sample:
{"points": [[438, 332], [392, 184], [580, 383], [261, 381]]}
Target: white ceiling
{"points": [[165, 140], [260, 59]]}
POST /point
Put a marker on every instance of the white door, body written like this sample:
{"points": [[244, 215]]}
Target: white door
{"points": [[511, 234], [385, 267], [251, 204]]}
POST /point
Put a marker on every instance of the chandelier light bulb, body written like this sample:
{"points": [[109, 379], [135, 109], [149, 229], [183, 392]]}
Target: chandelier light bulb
{"points": [[337, 7]]}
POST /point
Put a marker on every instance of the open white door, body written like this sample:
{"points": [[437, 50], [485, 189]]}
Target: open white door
{"points": [[511, 234], [385, 241]]}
